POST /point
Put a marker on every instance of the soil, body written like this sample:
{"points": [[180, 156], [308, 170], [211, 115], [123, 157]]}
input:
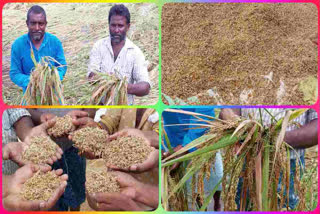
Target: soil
{"points": [[246, 53]]}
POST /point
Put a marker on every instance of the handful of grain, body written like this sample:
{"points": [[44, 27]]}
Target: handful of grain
{"points": [[101, 181], [41, 186], [90, 139], [62, 126], [127, 151], [40, 150]]}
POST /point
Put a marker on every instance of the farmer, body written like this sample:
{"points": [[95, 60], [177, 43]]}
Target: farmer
{"points": [[42, 44], [180, 136], [117, 55], [299, 138]]}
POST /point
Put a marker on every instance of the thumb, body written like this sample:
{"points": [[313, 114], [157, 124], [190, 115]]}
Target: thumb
{"points": [[48, 124]]}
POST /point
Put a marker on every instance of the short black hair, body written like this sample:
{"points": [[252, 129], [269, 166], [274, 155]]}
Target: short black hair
{"points": [[120, 10], [36, 9]]}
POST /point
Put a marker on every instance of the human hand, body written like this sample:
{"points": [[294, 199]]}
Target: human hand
{"points": [[117, 201], [12, 201], [46, 117], [167, 154], [75, 114], [84, 122], [151, 162]]}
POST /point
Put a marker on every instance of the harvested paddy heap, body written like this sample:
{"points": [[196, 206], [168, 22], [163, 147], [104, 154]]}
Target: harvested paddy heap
{"points": [[39, 151], [126, 151], [62, 126], [101, 181], [245, 53], [41, 186], [90, 139]]}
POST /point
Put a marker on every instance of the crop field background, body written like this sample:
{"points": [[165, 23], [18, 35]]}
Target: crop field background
{"points": [[79, 26]]}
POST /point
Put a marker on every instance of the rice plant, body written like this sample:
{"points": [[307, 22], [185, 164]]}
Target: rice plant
{"points": [[44, 87], [109, 90], [259, 160]]}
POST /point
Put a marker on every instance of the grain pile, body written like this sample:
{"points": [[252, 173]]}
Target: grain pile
{"points": [[41, 148], [126, 151], [101, 181], [90, 139], [251, 53], [62, 126], [41, 186]]}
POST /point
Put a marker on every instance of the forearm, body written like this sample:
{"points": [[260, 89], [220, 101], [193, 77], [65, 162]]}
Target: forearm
{"points": [[139, 89], [23, 127], [153, 137], [35, 116], [5, 184], [148, 195], [304, 137]]}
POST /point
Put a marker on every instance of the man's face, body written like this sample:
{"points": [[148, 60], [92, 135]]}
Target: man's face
{"points": [[37, 26], [118, 28]]}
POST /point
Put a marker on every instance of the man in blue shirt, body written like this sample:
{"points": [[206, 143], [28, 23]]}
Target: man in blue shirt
{"points": [[42, 43]]}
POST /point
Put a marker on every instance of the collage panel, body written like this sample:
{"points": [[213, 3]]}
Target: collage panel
{"points": [[239, 53], [80, 159], [232, 159], [80, 54]]}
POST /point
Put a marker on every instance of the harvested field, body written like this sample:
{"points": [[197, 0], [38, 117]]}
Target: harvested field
{"points": [[90, 139], [101, 181], [40, 150], [126, 151], [41, 186], [244, 53], [79, 26], [62, 126]]}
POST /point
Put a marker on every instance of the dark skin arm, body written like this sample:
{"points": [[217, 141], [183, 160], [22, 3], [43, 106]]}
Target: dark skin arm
{"points": [[304, 137], [23, 127], [139, 89], [35, 116]]}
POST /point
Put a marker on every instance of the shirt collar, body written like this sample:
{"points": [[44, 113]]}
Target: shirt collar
{"points": [[44, 41], [127, 45]]}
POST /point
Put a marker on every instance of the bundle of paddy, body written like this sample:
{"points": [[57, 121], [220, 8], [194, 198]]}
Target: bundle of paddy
{"points": [[90, 139], [261, 160], [44, 87], [41, 186], [126, 151], [109, 90], [39, 151], [101, 181], [62, 126]]}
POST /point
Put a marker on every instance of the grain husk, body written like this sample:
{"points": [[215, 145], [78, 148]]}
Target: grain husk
{"points": [[41, 186], [126, 151], [62, 126], [41, 148], [101, 181], [90, 139]]}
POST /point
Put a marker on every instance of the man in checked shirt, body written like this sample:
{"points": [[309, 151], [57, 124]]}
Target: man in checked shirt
{"points": [[116, 54], [299, 138]]}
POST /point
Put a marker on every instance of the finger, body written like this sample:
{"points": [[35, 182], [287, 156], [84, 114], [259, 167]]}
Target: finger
{"points": [[58, 155], [48, 124], [54, 159], [44, 167], [78, 113], [91, 201], [106, 207], [80, 122], [55, 197], [29, 205], [150, 163], [114, 167], [6, 151], [50, 161], [102, 197], [130, 192], [59, 172], [118, 134], [64, 177]]}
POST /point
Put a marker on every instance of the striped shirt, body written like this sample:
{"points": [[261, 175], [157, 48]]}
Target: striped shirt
{"points": [[279, 113], [9, 118], [130, 62]]}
